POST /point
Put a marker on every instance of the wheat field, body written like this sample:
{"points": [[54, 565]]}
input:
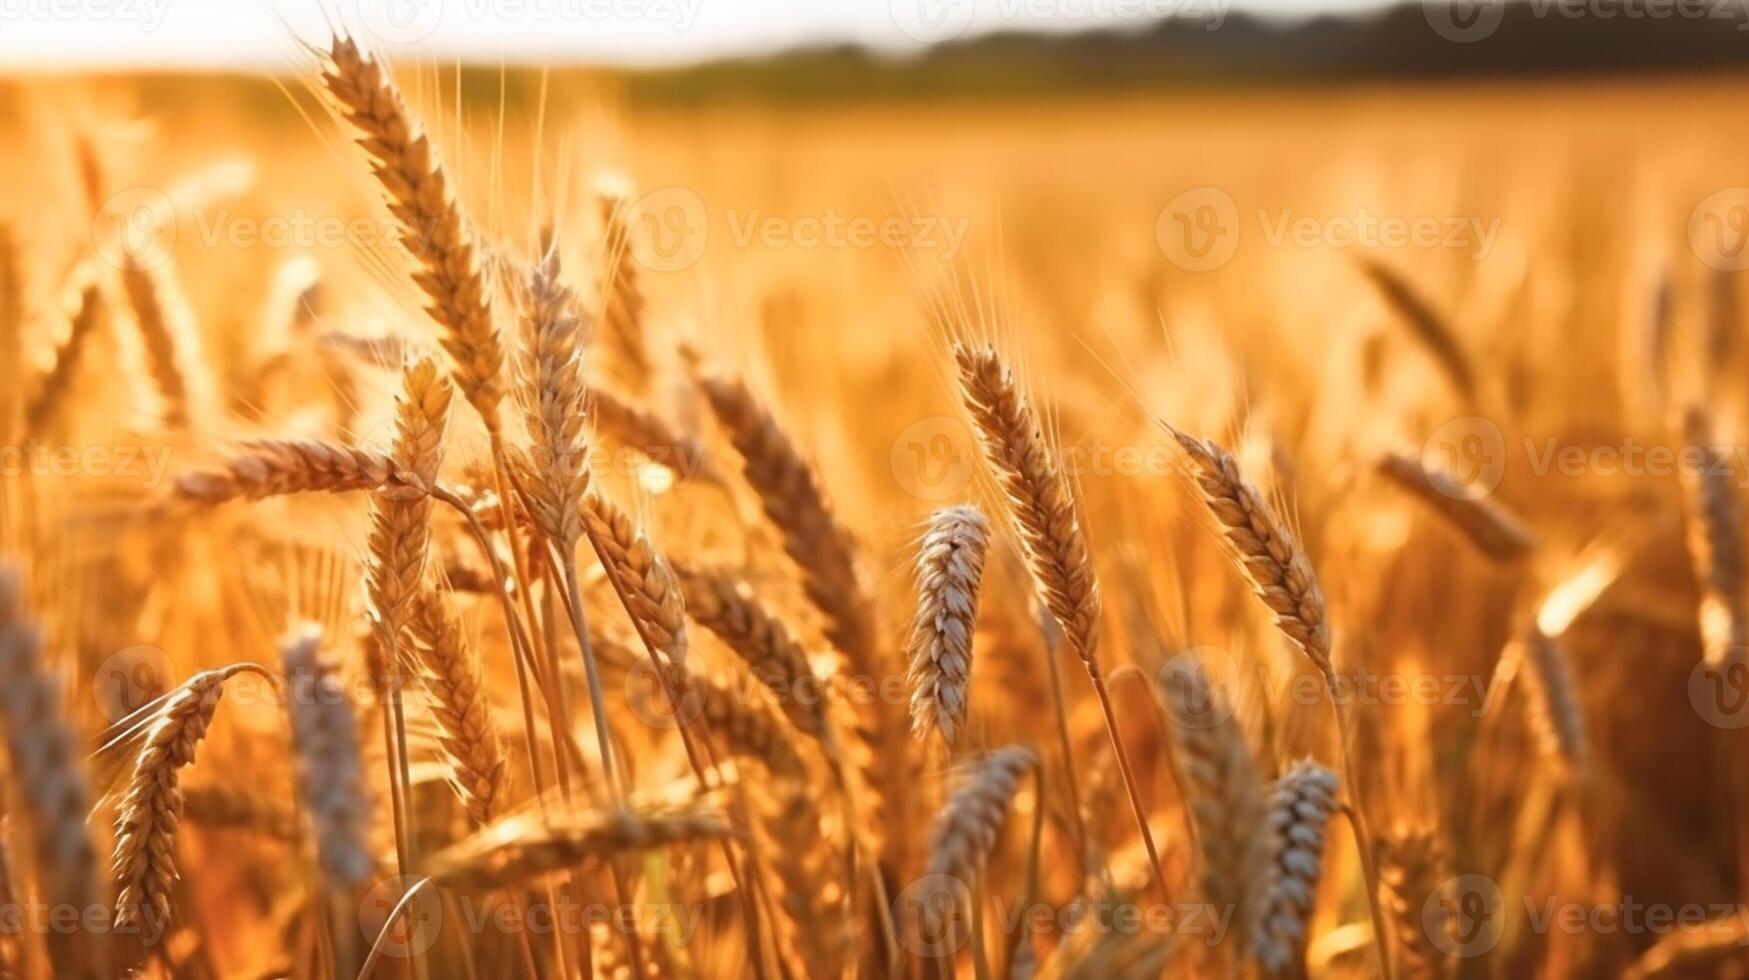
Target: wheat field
{"points": [[480, 524]]}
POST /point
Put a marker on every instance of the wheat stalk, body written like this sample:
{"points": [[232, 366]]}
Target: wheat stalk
{"points": [[455, 679], [330, 771], [433, 228], [1484, 521], [1301, 803], [950, 567], [44, 751], [1223, 796]]}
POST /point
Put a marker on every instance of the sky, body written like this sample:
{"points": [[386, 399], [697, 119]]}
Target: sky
{"points": [[259, 34]]}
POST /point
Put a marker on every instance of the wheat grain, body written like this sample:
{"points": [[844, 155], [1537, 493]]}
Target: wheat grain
{"points": [[950, 568], [1426, 324], [400, 517], [277, 467], [433, 228]]}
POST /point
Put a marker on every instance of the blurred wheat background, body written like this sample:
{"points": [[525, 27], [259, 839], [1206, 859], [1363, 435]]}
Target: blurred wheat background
{"points": [[1040, 595]]}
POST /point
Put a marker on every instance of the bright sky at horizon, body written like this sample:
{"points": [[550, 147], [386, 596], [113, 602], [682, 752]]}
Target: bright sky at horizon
{"points": [[259, 34]]}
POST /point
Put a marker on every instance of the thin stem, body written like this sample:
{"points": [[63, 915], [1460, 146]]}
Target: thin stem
{"points": [[1066, 747], [1129, 783], [1362, 838]]}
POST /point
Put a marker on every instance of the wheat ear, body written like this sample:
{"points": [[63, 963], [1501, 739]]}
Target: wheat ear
{"points": [[1043, 515], [744, 725], [1556, 712], [1301, 803], [277, 467], [950, 568], [1265, 549], [1410, 864], [400, 517], [554, 406], [330, 771], [522, 847], [1223, 796], [433, 228], [966, 829], [622, 305], [1485, 522], [727, 608], [223, 805], [52, 389], [455, 679], [144, 860], [617, 418], [44, 752], [1425, 323], [812, 536], [1715, 542], [653, 597], [166, 336]]}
